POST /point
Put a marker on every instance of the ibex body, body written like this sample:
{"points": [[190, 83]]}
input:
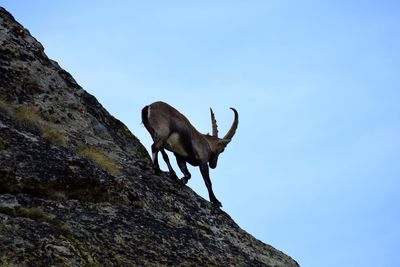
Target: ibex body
{"points": [[171, 130]]}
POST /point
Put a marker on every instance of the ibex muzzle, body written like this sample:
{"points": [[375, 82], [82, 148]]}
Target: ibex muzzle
{"points": [[171, 130]]}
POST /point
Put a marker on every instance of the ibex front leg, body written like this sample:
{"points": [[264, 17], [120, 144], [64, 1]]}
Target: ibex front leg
{"points": [[205, 173], [182, 165]]}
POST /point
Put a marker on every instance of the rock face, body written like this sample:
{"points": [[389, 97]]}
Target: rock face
{"points": [[77, 189]]}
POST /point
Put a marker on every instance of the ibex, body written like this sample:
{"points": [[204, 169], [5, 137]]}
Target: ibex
{"points": [[171, 130]]}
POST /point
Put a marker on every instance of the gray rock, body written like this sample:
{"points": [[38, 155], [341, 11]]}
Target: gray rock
{"points": [[77, 188]]}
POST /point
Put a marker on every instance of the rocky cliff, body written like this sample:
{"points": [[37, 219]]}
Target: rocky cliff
{"points": [[76, 186]]}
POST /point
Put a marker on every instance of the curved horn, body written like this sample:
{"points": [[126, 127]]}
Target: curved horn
{"points": [[214, 124], [234, 126]]}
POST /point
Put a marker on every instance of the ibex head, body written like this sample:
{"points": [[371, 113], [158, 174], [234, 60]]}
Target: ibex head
{"points": [[217, 144]]}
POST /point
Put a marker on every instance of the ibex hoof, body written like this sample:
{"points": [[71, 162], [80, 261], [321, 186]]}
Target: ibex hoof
{"points": [[217, 203], [183, 181]]}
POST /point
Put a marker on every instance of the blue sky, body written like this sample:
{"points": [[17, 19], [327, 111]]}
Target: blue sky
{"points": [[314, 167]]}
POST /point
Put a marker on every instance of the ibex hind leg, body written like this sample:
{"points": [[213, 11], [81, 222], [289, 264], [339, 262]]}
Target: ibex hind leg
{"points": [[172, 173], [154, 152]]}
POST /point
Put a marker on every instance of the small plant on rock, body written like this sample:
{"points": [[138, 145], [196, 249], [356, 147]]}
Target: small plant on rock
{"points": [[100, 158]]}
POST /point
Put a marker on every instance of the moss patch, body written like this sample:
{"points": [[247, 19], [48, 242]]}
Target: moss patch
{"points": [[29, 117], [3, 144], [53, 134], [99, 157], [5, 263], [32, 85], [5, 106], [27, 114], [38, 214]]}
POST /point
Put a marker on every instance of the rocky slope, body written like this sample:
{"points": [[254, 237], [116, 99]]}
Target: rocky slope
{"points": [[76, 187]]}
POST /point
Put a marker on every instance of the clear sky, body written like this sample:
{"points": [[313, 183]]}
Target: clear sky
{"points": [[314, 167]]}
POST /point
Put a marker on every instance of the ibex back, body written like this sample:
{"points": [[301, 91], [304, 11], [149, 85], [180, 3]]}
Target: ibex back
{"points": [[171, 130]]}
